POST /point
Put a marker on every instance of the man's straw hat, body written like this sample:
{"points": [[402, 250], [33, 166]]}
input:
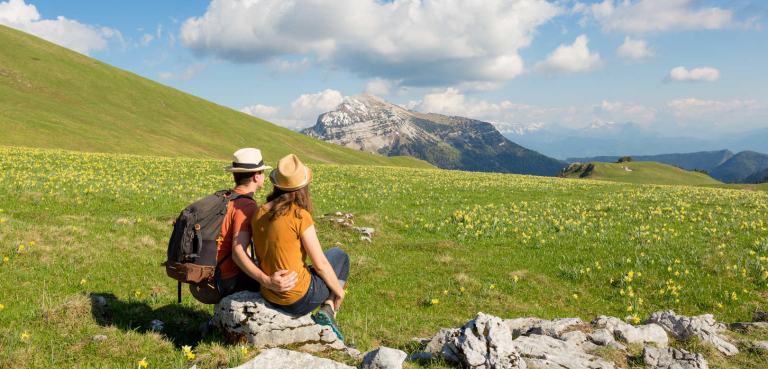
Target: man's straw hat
{"points": [[290, 174], [247, 160]]}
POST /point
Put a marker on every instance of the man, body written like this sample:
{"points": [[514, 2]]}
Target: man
{"points": [[237, 271]]}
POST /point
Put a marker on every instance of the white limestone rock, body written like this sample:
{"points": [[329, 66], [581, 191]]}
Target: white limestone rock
{"points": [[484, 342], [555, 327], [670, 358], [248, 316], [703, 327], [649, 333], [603, 337], [285, 359], [156, 325], [579, 340], [608, 322], [384, 358], [521, 326], [544, 352]]}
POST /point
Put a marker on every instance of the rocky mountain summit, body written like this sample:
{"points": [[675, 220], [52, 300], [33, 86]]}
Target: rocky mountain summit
{"points": [[369, 123]]}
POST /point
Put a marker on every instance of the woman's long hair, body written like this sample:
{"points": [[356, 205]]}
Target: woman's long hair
{"points": [[283, 200]]}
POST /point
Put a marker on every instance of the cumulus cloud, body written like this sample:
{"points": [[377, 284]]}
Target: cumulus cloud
{"points": [[681, 74], [261, 111], [315, 104], [184, 76], [660, 15], [567, 59], [426, 43], [68, 33], [635, 50], [508, 116]]}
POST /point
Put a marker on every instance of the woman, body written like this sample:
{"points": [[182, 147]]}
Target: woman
{"points": [[284, 235]]}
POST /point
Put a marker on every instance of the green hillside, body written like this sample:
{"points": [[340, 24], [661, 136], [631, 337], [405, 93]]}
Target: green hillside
{"points": [[740, 166], [646, 172], [53, 97]]}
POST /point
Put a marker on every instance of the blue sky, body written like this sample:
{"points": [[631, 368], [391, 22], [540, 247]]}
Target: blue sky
{"points": [[677, 66]]}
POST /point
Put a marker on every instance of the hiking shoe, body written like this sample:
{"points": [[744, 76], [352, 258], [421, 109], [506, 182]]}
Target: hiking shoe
{"points": [[324, 316]]}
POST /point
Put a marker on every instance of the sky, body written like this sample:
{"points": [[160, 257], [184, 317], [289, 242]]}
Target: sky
{"points": [[680, 67]]}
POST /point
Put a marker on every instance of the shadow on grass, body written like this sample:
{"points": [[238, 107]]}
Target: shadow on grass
{"points": [[181, 323]]}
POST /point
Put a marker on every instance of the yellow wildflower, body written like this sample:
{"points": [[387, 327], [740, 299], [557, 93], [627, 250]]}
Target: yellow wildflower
{"points": [[143, 363]]}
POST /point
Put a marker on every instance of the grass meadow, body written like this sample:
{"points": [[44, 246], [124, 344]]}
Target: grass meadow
{"points": [[447, 245]]}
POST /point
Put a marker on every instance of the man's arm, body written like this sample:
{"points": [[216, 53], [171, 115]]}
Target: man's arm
{"points": [[280, 281]]}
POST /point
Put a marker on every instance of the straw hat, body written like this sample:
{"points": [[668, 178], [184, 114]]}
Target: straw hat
{"points": [[290, 174], [247, 160]]}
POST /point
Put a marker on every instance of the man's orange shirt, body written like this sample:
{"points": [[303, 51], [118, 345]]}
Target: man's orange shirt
{"points": [[238, 219]]}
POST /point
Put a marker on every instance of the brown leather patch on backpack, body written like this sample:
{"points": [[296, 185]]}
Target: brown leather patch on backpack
{"points": [[188, 272]]}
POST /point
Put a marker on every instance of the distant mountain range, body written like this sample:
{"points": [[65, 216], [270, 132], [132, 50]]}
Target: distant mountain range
{"points": [[621, 139], [705, 160], [369, 123], [740, 167]]}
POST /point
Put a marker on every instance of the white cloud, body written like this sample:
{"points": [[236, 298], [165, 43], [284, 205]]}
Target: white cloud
{"points": [[315, 104], [171, 38], [426, 43], [146, 39], [680, 74], [190, 72], [695, 108], [660, 15], [68, 33], [636, 50], [385, 87], [159, 30], [284, 67], [507, 115], [567, 59], [261, 111]]}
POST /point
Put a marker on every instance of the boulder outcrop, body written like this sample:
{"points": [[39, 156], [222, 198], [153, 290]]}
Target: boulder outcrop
{"points": [[247, 316], [670, 358], [484, 342], [285, 359], [703, 327]]}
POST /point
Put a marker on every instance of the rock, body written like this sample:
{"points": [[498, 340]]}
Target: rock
{"points": [[156, 325], [759, 316], [365, 239], [649, 333], [761, 346], [421, 340], [670, 358], [384, 358], [703, 327], [608, 322], [100, 337], [285, 359], [247, 316], [554, 327], [339, 244], [749, 325], [368, 231], [99, 300], [484, 342], [521, 326], [545, 352], [421, 357], [579, 340], [603, 337]]}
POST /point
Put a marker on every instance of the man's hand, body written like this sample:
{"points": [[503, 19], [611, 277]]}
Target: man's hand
{"points": [[282, 281]]}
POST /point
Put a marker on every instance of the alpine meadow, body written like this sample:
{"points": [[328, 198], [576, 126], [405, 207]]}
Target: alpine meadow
{"points": [[507, 245]]}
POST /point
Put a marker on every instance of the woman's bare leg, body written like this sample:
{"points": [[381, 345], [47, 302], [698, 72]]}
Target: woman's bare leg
{"points": [[329, 301]]}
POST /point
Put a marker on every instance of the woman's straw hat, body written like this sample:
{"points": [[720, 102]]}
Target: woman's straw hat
{"points": [[290, 174], [247, 160]]}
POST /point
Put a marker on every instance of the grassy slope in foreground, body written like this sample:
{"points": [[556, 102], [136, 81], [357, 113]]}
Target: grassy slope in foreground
{"points": [[507, 245], [643, 172], [53, 97]]}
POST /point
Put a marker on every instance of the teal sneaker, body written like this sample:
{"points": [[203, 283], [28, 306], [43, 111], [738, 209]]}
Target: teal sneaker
{"points": [[324, 316]]}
